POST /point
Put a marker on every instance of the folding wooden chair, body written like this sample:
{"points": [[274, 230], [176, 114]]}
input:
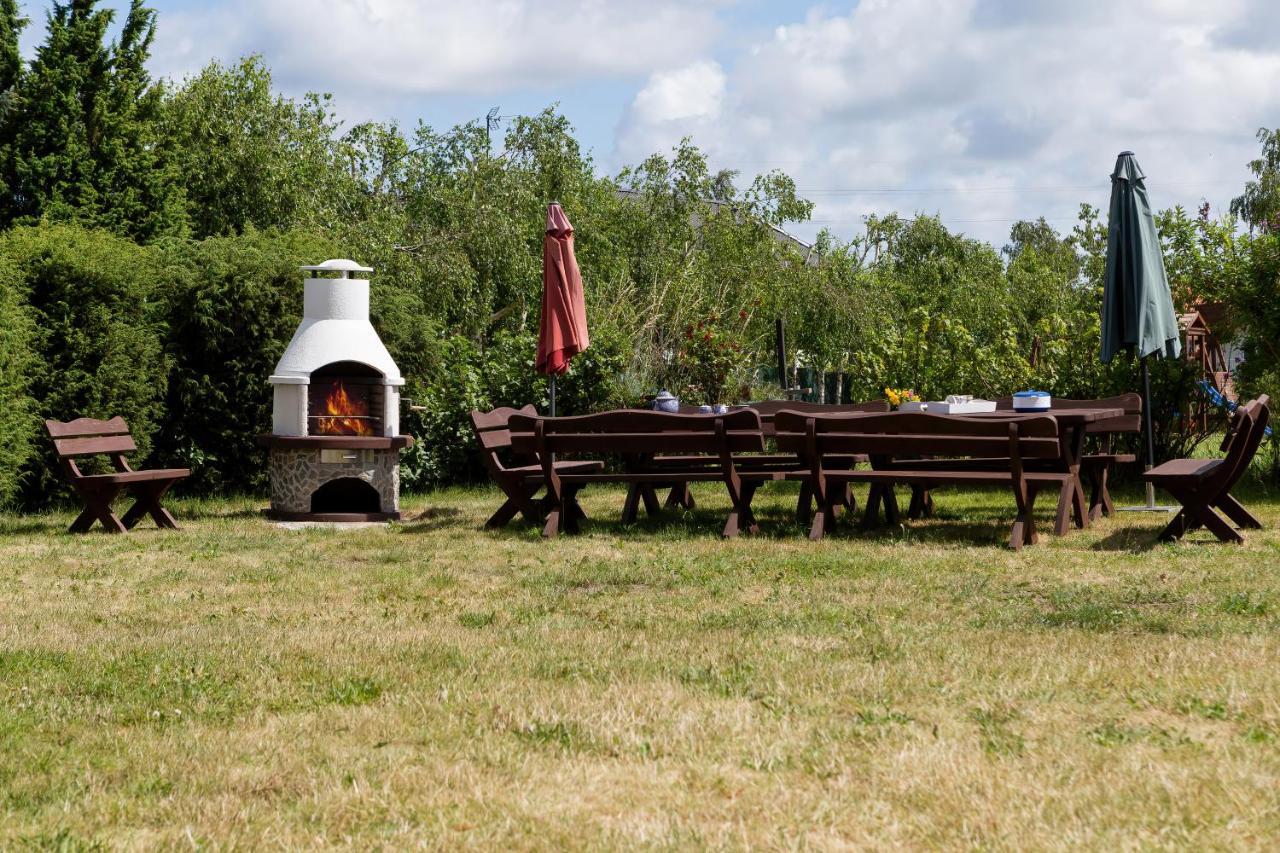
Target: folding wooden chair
{"points": [[1203, 485]]}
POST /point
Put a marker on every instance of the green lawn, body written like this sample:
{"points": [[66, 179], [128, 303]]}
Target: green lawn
{"points": [[239, 685]]}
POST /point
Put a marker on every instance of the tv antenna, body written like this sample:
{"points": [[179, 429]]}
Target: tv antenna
{"points": [[492, 120]]}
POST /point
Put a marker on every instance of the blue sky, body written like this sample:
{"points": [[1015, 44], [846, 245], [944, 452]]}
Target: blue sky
{"points": [[983, 111]]}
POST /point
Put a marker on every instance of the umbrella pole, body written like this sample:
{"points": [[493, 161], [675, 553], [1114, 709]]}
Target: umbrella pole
{"points": [[553, 408], [1146, 411], [1149, 434]]}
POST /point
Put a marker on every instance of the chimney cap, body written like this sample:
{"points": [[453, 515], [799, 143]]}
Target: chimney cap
{"points": [[337, 265]]}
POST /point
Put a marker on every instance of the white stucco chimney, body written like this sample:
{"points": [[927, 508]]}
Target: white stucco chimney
{"points": [[335, 328]]}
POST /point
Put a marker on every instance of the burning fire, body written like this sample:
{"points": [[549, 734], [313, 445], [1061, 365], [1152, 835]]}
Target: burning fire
{"points": [[342, 415]]}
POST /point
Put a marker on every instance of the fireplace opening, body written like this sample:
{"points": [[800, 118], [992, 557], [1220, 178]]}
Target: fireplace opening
{"points": [[347, 494], [345, 398]]}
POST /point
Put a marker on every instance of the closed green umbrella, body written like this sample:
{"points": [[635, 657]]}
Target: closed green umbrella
{"points": [[1137, 309]]}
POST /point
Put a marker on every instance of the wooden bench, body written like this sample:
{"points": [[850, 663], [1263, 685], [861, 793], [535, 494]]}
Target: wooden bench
{"points": [[1203, 485], [520, 481], [760, 463], [1096, 466], [636, 437], [1019, 440], [89, 437]]}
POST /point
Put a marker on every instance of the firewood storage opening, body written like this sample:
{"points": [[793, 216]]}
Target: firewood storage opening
{"points": [[346, 495]]}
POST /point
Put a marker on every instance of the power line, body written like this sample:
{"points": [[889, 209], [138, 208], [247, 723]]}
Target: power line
{"points": [[956, 190], [946, 219]]}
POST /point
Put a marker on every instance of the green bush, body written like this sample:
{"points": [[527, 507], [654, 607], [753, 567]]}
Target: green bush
{"points": [[17, 419], [232, 308], [99, 331], [502, 373]]}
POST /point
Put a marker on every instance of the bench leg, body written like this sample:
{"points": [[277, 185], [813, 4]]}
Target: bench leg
{"points": [[649, 494], [1217, 526], [804, 504], [823, 520], [1066, 498], [1175, 528], [921, 505], [850, 500], [1196, 512], [84, 521], [1235, 511], [1024, 526], [552, 528], [519, 501], [571, 512], [1100, 502], [871, 515], [890, 499], [579, 514], [680, 495], [147, 502], [631, 506], [741, 517], [97, 507]]}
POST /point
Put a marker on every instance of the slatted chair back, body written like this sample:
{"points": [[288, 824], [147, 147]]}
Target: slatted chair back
{"points": [[1237, 450], [492, 431], [638, 432], [83, 437], [918, 433], [1130, 421], [1245, 437]]}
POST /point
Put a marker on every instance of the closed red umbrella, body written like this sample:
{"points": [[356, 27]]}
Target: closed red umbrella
{"points": [[562, 333]]}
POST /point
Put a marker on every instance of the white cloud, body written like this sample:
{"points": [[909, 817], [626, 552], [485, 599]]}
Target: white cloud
{"points": [[692, 92], [386, 48], [989, 110], [684, 101]]}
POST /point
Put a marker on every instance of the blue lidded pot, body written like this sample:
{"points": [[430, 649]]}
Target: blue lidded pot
{"points": [[1032, 401], [666, 402]]}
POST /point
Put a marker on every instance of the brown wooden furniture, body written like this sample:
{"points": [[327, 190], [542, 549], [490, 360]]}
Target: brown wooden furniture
{"points": [[521, 481], [760, 463], [1018, 440], [636, 437], [1073, 425], [1096, 466], [89, 437], [1201, 485]]}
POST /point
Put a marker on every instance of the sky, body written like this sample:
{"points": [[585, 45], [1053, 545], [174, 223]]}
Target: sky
{"points": [[980, 111]]}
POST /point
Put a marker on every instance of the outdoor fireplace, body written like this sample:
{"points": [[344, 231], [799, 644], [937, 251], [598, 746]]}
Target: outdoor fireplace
{"points": [[335, 443]]}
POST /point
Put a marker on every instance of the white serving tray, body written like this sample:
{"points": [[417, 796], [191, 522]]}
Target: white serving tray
{"points": [[938, 407]]}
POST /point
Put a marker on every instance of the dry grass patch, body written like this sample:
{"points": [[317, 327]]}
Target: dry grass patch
{"points": [[238, 685]]}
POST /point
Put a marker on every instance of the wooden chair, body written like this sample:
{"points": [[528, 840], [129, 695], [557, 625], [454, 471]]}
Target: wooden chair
{"points": [[637, 436], [520, 482], [1096, 467], [89, 437], [1202, 485]]}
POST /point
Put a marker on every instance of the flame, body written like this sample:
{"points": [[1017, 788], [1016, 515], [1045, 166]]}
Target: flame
{"points": [[341, 415]]}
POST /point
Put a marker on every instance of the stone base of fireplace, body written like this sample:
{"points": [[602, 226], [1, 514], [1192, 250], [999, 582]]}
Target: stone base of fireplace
{"points": [[334, 478]]}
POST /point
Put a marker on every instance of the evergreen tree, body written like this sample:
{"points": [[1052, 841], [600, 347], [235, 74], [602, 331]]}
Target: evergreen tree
{"points": [[11, 25], [86, 146]]}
